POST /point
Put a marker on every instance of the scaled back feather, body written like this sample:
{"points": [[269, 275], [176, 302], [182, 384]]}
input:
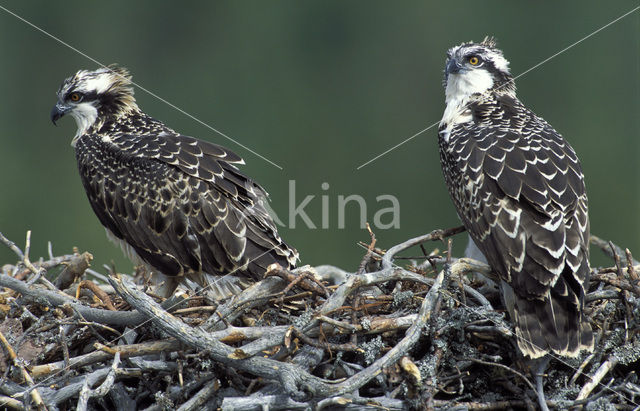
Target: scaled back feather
{"points": [[178, 204]]}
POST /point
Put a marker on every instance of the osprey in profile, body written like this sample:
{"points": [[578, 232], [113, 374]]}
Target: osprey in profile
{"points": [[519, 190], [176, 203]]}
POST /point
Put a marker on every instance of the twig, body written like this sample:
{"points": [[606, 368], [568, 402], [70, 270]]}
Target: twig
{"points": [[354, 317], [504, 367], [201, 397], [63, 345], [357, 402], [581, 368], [86, 393], [290, 376], [266, 353], [12, 246], [400, 349], [125, 351], [71, 390], [340, 324], [93, 287], [270, 337], [327, 345], [482, 406], [266, 402], [11, 403], [39, 272], [306, 280], [594, 381], [361, 269], [97, 275], [602, 295], [434, 235], [369, 254], [630, 268], [58, 299], [614, 281], [607, 246], [35, 395], [193, 310]]}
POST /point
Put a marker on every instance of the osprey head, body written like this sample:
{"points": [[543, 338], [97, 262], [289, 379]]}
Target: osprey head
{"points": [[95, 95], [475, 68]]}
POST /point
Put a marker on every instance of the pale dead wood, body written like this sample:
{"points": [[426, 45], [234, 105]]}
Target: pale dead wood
{"points": [[35, 395], [390, 335]]}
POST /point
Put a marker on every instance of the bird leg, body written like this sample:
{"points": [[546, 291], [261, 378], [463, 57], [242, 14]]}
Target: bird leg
{"points": [[540, 365], [167, 286]]}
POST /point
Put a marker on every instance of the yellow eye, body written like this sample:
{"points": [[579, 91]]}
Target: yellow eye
{"points": [[474, 60], [74, 97]]}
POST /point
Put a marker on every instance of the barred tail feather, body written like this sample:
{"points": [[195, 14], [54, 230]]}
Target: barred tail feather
{"points": [[552, 324]]}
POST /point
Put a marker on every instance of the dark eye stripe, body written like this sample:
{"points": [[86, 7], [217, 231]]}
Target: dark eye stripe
{"points": [[91, 95], [83, 96]]}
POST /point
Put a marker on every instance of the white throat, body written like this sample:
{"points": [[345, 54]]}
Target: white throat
{"points": [[85, 115], [460, 87]]}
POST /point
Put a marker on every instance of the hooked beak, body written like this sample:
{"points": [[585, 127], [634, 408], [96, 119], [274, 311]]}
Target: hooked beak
{"points": [[453, 67], [58, 111]]}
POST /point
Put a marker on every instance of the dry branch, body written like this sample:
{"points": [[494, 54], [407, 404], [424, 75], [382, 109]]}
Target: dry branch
{"points": [[35, 395], [391, 335]]}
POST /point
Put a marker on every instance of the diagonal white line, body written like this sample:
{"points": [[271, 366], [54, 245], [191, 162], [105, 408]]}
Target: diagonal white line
{"points": [[398, 145], [174, 107], [576, 43], [140, 87], [68, 367], [516, 77]]}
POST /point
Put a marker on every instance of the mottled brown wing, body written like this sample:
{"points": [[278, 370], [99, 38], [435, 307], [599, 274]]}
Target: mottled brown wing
{"points": [[181, 205], [521, 196]]}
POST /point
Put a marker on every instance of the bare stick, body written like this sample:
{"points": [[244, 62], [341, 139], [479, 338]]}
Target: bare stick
{"points": [[326, 345], [608, 246], [39, 272], [292, 378], [434, 235], [59, 299], [11, 403], [93, 287], [86, 393], [63, 345], [369, 254], [504, 367], [35, 395], [125, 351], [603, 370], [400, 349], [201, 397], [12, 246], [306, 280]]}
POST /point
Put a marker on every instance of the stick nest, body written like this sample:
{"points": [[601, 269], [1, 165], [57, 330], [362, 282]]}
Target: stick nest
{"points": [[420, 331]]}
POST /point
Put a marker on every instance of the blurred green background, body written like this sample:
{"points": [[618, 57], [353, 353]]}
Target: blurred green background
{"points": [[318, 88]]}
